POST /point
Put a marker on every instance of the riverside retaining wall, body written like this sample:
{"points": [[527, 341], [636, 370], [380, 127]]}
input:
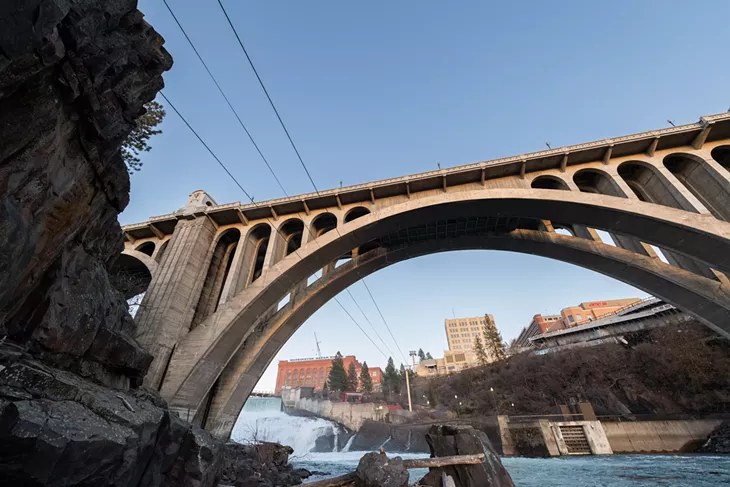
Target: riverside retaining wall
{"points": [[351, 415], [659, 436]]}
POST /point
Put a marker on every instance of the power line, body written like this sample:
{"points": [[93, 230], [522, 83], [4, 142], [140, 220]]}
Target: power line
{"points": [[370, 323], [291, 141], [361, 329], [240, 42], [167, 100], [286, 131], [206, 146], [383, 318], [250, 137]]}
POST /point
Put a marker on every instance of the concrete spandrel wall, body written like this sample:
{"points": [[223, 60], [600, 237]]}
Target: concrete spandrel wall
{"points": [[658, 436]]}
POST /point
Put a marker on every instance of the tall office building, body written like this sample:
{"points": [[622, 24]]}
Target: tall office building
{"points": [[461, 333]]}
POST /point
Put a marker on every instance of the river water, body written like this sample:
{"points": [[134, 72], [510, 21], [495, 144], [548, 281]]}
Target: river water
{"points": [[262, 419]]}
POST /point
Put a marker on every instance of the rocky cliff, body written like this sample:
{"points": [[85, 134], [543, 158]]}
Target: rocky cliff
{"points": [[74, 76]]}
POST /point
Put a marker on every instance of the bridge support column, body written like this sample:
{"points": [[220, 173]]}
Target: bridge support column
{"points": [[233, 280], [173, 294]]}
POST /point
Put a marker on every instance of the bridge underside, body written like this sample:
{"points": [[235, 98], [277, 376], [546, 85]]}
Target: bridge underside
{"points": [[230, 286]]}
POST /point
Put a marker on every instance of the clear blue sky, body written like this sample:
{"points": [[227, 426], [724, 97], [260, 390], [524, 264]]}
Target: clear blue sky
{"points": [[377, 89]]}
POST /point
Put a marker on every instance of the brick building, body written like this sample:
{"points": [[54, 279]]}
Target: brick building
{"points": [[571, 316], [313, 372]]}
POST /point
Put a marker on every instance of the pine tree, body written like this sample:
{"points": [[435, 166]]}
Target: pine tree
{"points": [[493, 345], [479, 351], [137, 140], [428, 356], [366, 382], [391, 379], [421, 355], [325, 391], [337, 379], [352, 381]]}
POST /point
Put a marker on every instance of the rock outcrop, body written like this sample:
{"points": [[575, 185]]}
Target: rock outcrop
{"points": [[74, 76], [719, 440]]}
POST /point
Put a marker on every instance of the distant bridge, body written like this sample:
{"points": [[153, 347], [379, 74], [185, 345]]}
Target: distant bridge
{"points": [[227, 285]]}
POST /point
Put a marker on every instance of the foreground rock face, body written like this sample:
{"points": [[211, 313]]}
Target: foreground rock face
{"points": [[74, 76], [57, 428]]}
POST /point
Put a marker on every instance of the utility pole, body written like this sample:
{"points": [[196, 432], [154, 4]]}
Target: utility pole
{"points": [[319, 353], [408, 388], [413, 354]]}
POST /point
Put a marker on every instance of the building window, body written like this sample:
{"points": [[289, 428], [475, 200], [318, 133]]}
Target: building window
{"points": [[571, 319], [579, 317]]}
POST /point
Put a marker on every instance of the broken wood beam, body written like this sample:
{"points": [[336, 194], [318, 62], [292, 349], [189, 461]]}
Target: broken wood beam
{"points": [[444, 461]]}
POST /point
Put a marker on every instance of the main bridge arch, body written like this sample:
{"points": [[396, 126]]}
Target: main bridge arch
{"points": [[203, 354], [697, 294]]}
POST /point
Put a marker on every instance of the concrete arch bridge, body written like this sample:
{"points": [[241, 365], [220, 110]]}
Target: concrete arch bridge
{"points": [[227, 285]]}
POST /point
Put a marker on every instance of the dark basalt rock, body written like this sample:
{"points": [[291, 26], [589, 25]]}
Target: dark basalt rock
{"points": [[265, 464], [447, 441], [57, 428], [377, 470], [74, 76], [718, 441]]}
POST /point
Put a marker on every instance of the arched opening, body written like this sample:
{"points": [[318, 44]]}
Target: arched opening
{"points": [[256, 247], [217, 275], [324, 223], [549, 182], [721, 155], [129, 275], [292, 231], [648, 185], [564, 230], [710, 188], [651, 186], [161, 252], [355, 213], [146, 248], [598, 182]]}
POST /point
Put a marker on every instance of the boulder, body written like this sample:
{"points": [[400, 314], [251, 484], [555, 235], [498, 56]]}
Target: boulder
{"points": [[377, 470], [447, 441], [265, 464]]}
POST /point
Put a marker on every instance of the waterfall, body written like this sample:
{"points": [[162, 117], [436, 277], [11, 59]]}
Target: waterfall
{"points": [[262, 419], [337, 440], [349, 443], [386, 442], [408, 445]]}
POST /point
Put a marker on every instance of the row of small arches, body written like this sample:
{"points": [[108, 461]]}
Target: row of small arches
{"points": [[262, 246], [649, 184]]}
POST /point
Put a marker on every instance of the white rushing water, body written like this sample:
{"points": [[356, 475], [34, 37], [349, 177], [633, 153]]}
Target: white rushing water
{"points": [[262, 419], [349, 443]]}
